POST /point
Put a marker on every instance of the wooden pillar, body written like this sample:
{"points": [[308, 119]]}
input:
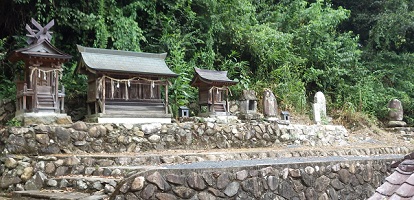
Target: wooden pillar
{"points": [[159, 91], [199, 100], [24, 97], [227, 100], [166, 97], [103, 95], [62, 105], [213, 99], [88, 109], [56, 104], [34, 87], [140, 95]]}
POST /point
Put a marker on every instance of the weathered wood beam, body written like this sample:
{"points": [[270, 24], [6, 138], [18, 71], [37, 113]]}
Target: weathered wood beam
{"points": [[103, 95], [34, 85], [166, 99]]}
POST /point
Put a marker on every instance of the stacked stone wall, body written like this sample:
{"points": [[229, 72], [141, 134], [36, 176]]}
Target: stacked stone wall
{"points": [[111, 138], [325, 180], [7, 109], [26, 163]]}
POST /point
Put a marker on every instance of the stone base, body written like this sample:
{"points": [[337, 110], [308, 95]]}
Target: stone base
{"points": [[220, 119], [283, 122], [213, 114], [271, 119], [250, 116], [396, 124], [44, 118], [129, 119], [108, 120]]}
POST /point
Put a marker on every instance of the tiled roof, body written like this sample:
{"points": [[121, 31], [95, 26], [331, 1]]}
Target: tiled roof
{"points": [[211, 77], [43, 49], [400, 184], [125, 61]]}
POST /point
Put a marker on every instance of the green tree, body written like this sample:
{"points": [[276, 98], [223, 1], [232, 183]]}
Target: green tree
{"points": [[294, 47]]}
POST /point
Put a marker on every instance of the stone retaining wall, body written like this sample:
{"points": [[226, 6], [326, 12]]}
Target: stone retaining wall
{"points": [[7, 109], [24, 166], [322, 181], [95, 138], [18, 172], [405, 133]]}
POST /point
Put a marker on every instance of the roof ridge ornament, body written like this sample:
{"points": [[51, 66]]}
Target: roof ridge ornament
{"points": [[41, 34]]}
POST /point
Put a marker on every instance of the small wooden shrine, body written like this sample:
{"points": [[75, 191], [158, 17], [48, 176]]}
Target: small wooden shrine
{"points": [[212, 90], [40, 90], [125, 86]]}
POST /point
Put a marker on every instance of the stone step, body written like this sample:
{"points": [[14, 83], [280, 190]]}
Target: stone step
{"points": [[131, 104], [219, 108], [183, 156], [148, 113], [56, 194], [45, 106], [52, 163], [122, 114]]}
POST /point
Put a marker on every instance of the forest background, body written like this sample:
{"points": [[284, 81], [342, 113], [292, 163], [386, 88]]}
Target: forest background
{"points": [[359, 53]]}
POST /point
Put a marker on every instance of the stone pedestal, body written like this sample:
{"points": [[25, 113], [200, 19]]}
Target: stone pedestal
{"points": [[396, 124], [44, 118], [395, 114]]}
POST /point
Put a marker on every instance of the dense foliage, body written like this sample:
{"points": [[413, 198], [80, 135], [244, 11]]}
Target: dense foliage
{"points": [[359, 54]]}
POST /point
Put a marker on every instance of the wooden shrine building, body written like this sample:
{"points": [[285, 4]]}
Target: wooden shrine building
{"points": [[39, 92], [125, 86], [212, 90]]}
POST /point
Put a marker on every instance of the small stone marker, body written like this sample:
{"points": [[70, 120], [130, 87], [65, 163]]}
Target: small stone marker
{"points": [[319, 108], [248, 106], [248, 102], [270, 108], [395, 113], [395, 110]]}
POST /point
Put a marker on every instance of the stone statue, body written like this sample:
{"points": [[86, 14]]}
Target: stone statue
{"points": [[395, 113], [319, 108], [270, 108]]}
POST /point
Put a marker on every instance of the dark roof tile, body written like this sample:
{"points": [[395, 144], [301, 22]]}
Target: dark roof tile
{"points": [[406, 190], [397, 178], [387, 189], [377, 196], [42, 49], [125, 61], [400, 184], [401, 171], [396, 197], [410, 180], [407, 157], [211, 76], [407, 166]]}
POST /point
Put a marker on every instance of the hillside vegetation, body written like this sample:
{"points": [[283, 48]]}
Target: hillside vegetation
{"points": [[359, 53]]}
